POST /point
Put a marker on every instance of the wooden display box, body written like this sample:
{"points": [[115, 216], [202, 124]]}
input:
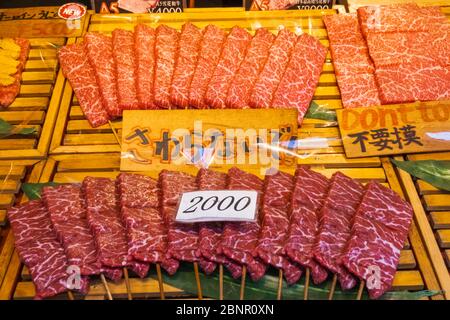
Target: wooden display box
{"points": [[42, 84], [355, 4], [414, 273]]}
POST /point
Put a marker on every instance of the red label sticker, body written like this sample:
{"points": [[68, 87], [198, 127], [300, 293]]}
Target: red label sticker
{"points": [[72, 11]]}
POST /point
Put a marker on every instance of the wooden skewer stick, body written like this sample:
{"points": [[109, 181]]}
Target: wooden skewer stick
{"points": [[70, 295], [306, 288], [115, 133], [160, 282], [360, 290], [105, 284], [127, 283], [280, 284], [244, 275], [220, 282], [197, 279], [333, 287]]}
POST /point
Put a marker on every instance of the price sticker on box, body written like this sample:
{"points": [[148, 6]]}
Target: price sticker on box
{"points": [[223, 205]]}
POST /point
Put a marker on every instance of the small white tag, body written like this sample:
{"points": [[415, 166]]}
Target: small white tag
{"points": [[218, 205]]}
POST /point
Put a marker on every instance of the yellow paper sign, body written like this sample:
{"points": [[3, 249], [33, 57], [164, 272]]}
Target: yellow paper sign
{"points": [[38, 22], [386, 130], [153, 140]]}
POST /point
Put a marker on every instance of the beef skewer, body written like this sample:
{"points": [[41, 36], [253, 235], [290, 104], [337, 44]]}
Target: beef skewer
{"points": [[210, 234], [275, 226], [239, 239], [182, 238], [103, 215], [309, 193], [66, 209], [146, 233], [336, 219], [379, 231]]}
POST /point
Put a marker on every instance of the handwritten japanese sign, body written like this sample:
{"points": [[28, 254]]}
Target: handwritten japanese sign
{"points": [[397, 129], [297, 5], [153, 140], [38, 22]]}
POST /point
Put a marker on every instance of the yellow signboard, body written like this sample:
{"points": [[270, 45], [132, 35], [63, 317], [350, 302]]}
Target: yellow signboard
{"points": [[386, 130], [153, 140], [39, 22]]}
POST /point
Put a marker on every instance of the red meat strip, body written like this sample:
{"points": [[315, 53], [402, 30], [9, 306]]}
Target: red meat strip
{"points": [[243, 82], [68, 216], [358, 90], [210, 50], [100, 55], [103, 215], [166, 49], [379, 232], [239, 239], [144, 46], [9, 93], [351, 58], [189, 48], [210, 233], [400, 18], [125, 60], [412, 82], [272, 73], [336, 221], [309, 193], [301, 77], [275, 225], [39, 249], [76, 68], [233, 53], [343, 28], [409, 47], [146, 232], [182, 237]]}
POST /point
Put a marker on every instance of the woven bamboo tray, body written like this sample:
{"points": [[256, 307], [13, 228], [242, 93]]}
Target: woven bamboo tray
{"points": [[12, 174], [415, 270]]}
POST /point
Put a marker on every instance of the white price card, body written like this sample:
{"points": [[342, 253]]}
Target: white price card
{"points": [[218, 205]]}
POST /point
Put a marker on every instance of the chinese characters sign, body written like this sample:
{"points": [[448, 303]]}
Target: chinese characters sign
{"points": [[38, 22], [395, 129], [153, 140]]}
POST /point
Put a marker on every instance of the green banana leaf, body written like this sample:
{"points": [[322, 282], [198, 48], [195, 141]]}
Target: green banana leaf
{"points": [[7, 129], [316, 111], [33, 190], [267, 288], [435, 172]]}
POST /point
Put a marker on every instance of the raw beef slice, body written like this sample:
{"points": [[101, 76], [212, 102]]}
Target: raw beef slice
{"points": [[358, 90]]}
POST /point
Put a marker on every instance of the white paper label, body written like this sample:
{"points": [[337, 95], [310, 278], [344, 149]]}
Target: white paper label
{"points": [[222, 205]]}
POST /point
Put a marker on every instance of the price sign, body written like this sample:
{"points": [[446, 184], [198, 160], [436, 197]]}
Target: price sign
{"points": [[223, 205]]}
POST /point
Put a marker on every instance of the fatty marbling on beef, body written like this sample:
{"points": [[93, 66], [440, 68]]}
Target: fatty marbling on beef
{"points": [[210, 233], [103, 215], [275, 224], [239, 239], [189, 48], [379, 231], [308, 196], [336, 219], [146, 233]]}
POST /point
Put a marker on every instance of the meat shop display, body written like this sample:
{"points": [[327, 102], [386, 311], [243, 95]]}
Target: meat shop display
{"points": [[390, 54], [195, 68], [13, 57], [307, 224]]}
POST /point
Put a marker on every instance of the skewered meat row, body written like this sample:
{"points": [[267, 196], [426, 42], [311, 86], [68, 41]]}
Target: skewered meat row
{"points": [[197, 68], [304, 221]]}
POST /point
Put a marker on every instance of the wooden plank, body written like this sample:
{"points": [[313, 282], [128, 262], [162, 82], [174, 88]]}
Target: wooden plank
{"points": [[42, 90], [5, 254], [407, 260], [12, 171], [38, 77], [408, 280], [47, 64], [2, 217], [429, 156], [426, 188], [17, 144], [443, 237], [9, 185], [6, 200], [447, 257], [16, 117], [29, 104], [89, 139], [440, 219], [437, 202], [337, 161]]}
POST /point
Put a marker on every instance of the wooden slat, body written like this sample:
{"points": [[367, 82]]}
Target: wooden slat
{"points": [[337, 161], [17, 144], [40, 90], [32, 103], [9, 185], [407, 260], [443, 237], [437, 201], [2, 217], [38, 77], [47, 64], [408, 280], [42, 53], [429, 156], [15, 117], [447, 257], [12, 171], [6, 200], [440, 219], [426, 188]]}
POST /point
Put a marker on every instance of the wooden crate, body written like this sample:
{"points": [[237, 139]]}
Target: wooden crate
{"points": [[42, 84], [432, 208], [355, 4], [415, 270], [73, 134], [12, 174]]}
